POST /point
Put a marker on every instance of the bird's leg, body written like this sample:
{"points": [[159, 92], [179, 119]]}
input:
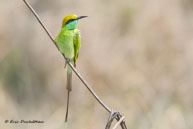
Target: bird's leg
{"points": [[67, 61]]}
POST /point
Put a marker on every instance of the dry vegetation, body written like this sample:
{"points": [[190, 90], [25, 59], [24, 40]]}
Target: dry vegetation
{"points": [[137, 55]]}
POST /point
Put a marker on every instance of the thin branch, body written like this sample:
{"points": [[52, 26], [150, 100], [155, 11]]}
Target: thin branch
{"points": [[109, 120], [122, 118], [73, 68], [123, 125], [119, 117], [115, 115], [89, 88], [112, 116]]}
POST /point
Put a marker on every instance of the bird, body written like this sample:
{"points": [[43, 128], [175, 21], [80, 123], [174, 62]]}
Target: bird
{"points": [[68, 42]]}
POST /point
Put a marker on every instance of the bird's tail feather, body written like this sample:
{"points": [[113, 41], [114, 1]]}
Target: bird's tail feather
{"points": [[69, 88], [68, 97], [69, 80]]}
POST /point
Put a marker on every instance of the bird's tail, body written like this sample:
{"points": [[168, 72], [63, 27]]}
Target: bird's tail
{"points": [[69, 88], [69, 79], [68, 97]]}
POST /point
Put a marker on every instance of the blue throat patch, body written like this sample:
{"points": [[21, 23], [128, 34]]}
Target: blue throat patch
{"points": [[72, 25]]}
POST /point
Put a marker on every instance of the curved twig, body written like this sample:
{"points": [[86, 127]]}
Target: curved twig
{"points": [[73, 68], [119, 118], [112, 116], [108, 125], [122, 118]]}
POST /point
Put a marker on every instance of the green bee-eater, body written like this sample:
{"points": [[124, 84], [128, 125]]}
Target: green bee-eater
{"points": [[68, 42]]}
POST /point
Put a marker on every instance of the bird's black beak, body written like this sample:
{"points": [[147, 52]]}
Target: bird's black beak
{"points": [[80, 17]]}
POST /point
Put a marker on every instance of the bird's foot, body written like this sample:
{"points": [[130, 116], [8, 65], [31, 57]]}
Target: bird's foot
{"points": [[67, 61]]}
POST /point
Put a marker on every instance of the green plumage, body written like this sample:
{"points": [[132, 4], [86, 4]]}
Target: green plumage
{"points": [[68, 42]]}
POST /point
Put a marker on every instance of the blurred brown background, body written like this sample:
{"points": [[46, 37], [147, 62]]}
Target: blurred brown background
{"points": [[137, 56]]}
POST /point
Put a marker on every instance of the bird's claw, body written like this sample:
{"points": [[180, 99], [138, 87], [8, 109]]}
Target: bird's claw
{"points": [[67, 61]]}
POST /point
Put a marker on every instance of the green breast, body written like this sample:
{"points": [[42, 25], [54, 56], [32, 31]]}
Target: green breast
{"points": [[64, 41]]}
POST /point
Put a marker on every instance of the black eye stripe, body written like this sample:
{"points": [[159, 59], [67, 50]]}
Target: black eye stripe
{"points": [[70, 21]]}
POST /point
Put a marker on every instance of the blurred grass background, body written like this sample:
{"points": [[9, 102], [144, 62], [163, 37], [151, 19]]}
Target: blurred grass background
{"points": [[137, 56]]}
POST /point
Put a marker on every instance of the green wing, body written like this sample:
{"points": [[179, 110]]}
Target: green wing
{"points": [[77, 44]]}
